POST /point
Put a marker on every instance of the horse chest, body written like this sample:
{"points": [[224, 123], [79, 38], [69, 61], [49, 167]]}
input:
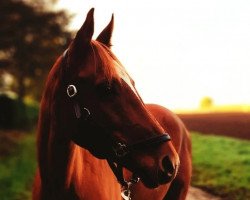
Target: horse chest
{"points": [[97, 181]]}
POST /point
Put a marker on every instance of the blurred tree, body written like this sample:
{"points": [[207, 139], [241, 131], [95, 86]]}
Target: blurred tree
{"points": [[31, 38], [206, 102]]}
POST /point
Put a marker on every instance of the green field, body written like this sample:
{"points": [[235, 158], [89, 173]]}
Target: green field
{"points": [[17, 167], [221, 166]]}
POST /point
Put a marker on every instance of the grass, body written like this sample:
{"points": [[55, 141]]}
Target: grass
{"points": [[222, 166], [17, 169]]}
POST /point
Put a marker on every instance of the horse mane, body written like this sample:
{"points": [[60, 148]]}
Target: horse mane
{"points": [[55, 150]]}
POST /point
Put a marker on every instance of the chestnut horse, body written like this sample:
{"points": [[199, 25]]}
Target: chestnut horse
{"points": [[97, 138]]}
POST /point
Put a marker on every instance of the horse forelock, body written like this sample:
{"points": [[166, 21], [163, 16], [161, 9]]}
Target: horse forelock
{"points": [[104, 61], [110, 65]]}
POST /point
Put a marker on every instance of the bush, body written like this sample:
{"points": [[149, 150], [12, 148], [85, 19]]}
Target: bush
{"points": [[16, 115]]}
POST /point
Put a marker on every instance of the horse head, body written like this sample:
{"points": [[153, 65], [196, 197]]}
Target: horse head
{"points": [[100, 101]]}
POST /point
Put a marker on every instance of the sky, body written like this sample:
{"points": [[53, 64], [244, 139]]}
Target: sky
{"points": [[178, 51]]}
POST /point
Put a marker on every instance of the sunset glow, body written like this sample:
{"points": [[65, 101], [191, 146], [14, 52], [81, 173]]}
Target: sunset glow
{"points": [[178, 51]]}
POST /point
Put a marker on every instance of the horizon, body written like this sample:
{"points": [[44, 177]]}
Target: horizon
{"points": [[178, 52]]}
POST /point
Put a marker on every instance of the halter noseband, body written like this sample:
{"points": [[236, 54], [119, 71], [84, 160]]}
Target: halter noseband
{"points": [[120, 150]]}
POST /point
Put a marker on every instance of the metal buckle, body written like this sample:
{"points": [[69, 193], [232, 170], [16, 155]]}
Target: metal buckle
{"points": [[71, 91], [126, 190], [120, 150]]}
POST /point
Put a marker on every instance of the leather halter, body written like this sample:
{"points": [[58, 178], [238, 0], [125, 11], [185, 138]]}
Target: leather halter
{"points": [[119, 150]]}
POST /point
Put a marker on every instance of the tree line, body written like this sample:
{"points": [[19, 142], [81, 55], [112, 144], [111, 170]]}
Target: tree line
{"points": [[32, 35]]}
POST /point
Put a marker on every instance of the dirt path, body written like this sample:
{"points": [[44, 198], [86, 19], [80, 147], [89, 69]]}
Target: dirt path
{"points": [[198, 194]]}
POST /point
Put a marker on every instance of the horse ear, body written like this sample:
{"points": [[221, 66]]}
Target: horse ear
{"points": [[106, 34], [84, 35]]}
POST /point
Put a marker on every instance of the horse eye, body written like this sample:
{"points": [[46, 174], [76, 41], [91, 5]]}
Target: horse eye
{"points": [[109, 91], [106, 89]]}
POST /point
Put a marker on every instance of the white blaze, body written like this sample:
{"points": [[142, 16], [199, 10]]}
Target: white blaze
{"points": [[124, 76]]}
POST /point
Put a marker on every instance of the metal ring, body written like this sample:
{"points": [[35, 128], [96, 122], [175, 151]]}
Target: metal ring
{"points": [[120, 150], [87, 113], [135, 179], [71, 91]]}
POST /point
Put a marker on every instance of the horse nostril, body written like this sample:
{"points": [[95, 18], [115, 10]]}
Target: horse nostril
{"points": [[168, 167]]}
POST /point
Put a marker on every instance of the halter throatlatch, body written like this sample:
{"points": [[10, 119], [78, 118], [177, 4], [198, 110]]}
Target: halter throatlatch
{"points": [[126, 185]]}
